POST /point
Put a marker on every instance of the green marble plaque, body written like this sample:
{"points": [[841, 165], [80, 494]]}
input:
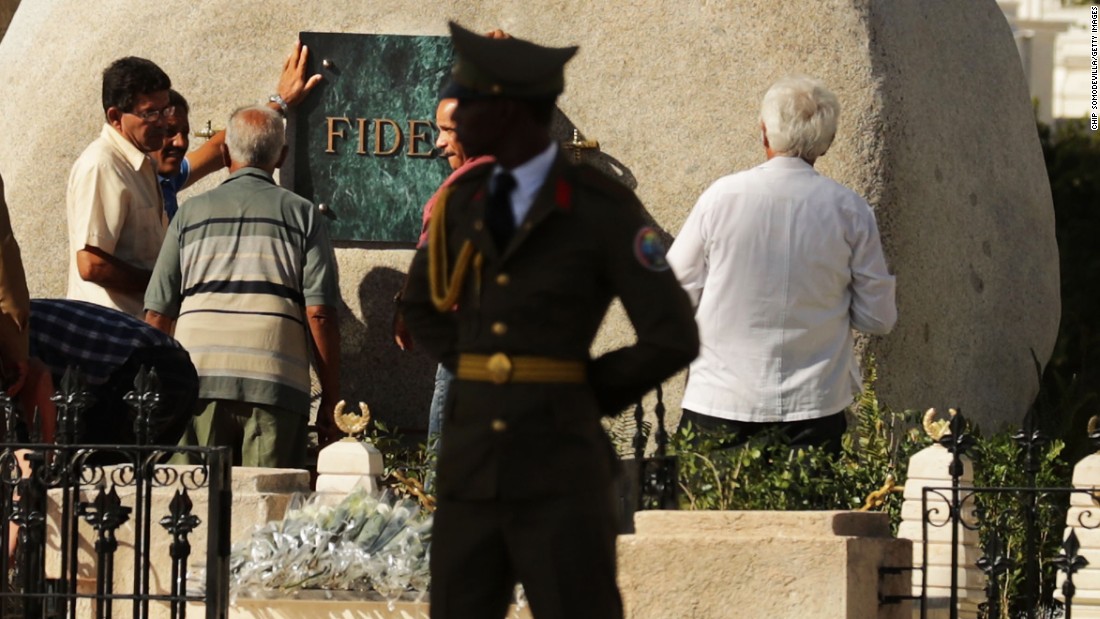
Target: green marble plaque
{"points": [[364, 139]]}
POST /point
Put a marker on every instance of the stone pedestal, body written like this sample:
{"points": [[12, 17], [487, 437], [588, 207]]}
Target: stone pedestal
{"points": [[316, 607], [348, 465], [930, 468], [762, 565], [259, 495], [1083, 520], [706, 565], [336, 605]]}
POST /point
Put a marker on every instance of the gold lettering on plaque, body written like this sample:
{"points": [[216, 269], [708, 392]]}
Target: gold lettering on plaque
{"points": [[380, 137], [389, 137], [416, 137], [332, 132], [362, 150]]}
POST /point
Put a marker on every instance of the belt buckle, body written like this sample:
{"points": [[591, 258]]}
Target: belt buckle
{"points": [[500, 368]]}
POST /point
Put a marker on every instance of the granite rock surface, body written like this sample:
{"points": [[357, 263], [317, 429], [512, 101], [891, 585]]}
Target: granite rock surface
{"points": [[937, 132]]}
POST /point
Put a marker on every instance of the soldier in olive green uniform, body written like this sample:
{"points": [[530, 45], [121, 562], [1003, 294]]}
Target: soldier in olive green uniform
{"points": [[523, 259]]}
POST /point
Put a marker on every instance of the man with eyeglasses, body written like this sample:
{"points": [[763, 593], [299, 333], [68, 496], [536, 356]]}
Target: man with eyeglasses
{"points": [[178, 169], [116, 219]]}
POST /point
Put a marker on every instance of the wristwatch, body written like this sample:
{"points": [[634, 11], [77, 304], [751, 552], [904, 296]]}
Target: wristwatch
{"points": [[280, 101]]}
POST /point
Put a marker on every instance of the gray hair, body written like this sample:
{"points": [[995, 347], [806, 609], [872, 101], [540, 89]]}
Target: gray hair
{"points": [[255, 136], [800, 116]]}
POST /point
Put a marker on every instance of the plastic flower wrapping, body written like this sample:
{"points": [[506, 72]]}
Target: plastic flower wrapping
{"points": [[363, 543]]}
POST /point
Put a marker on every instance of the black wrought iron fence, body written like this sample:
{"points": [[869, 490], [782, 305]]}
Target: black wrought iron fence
{"points": [[94, 530], [1024, 574]]}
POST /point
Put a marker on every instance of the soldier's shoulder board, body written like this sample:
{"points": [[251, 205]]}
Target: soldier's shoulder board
{"points": [[607, 188], [594, 178]]}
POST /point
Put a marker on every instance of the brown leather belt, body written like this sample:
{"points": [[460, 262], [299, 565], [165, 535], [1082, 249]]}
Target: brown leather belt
{"points": [[500, 368]]}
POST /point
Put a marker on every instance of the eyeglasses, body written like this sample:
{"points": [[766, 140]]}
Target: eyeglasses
{"points": [[152, 116]]}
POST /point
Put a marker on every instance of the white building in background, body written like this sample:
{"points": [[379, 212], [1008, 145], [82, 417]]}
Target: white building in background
{"points": [[1053, 39]]}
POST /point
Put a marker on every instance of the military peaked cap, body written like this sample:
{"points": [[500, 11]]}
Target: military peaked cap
{"points": [[510, 67]]}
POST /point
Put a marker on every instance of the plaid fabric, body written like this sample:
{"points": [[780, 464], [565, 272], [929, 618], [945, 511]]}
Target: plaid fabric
{"points": [[93, 338]]}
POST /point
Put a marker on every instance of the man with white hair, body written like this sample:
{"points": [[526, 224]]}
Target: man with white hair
{"points": [[248, 276], [782, 263]]}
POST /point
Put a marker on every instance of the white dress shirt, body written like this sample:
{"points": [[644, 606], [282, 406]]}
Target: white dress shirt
{"points": [[113, 202], [781, 264], [530, 175]]}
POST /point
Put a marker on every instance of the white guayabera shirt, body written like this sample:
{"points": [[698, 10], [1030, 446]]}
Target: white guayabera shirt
{"points": [[781, 263]]}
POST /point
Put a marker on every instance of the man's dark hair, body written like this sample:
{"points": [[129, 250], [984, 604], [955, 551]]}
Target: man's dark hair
{"points": [[129, 77], [176, 100]]}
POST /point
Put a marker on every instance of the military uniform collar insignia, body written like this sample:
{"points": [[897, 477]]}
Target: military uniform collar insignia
{"points": [[563, 195]]}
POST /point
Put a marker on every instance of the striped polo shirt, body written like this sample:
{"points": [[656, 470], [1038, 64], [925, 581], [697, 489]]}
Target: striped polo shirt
{"points": [[238, 267]]}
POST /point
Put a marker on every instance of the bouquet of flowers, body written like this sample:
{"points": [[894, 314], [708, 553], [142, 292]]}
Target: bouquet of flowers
{"points": [[363, 543]]}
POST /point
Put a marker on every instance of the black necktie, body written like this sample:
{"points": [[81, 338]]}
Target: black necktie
{"points": [[498, 212]]}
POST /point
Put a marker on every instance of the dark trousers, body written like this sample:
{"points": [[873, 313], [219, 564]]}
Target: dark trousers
{"points": [[823, 432], [562, 549], [110, 420]]}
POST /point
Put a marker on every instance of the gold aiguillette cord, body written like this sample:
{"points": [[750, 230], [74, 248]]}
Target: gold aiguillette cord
{"points": [[445, 293]]}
